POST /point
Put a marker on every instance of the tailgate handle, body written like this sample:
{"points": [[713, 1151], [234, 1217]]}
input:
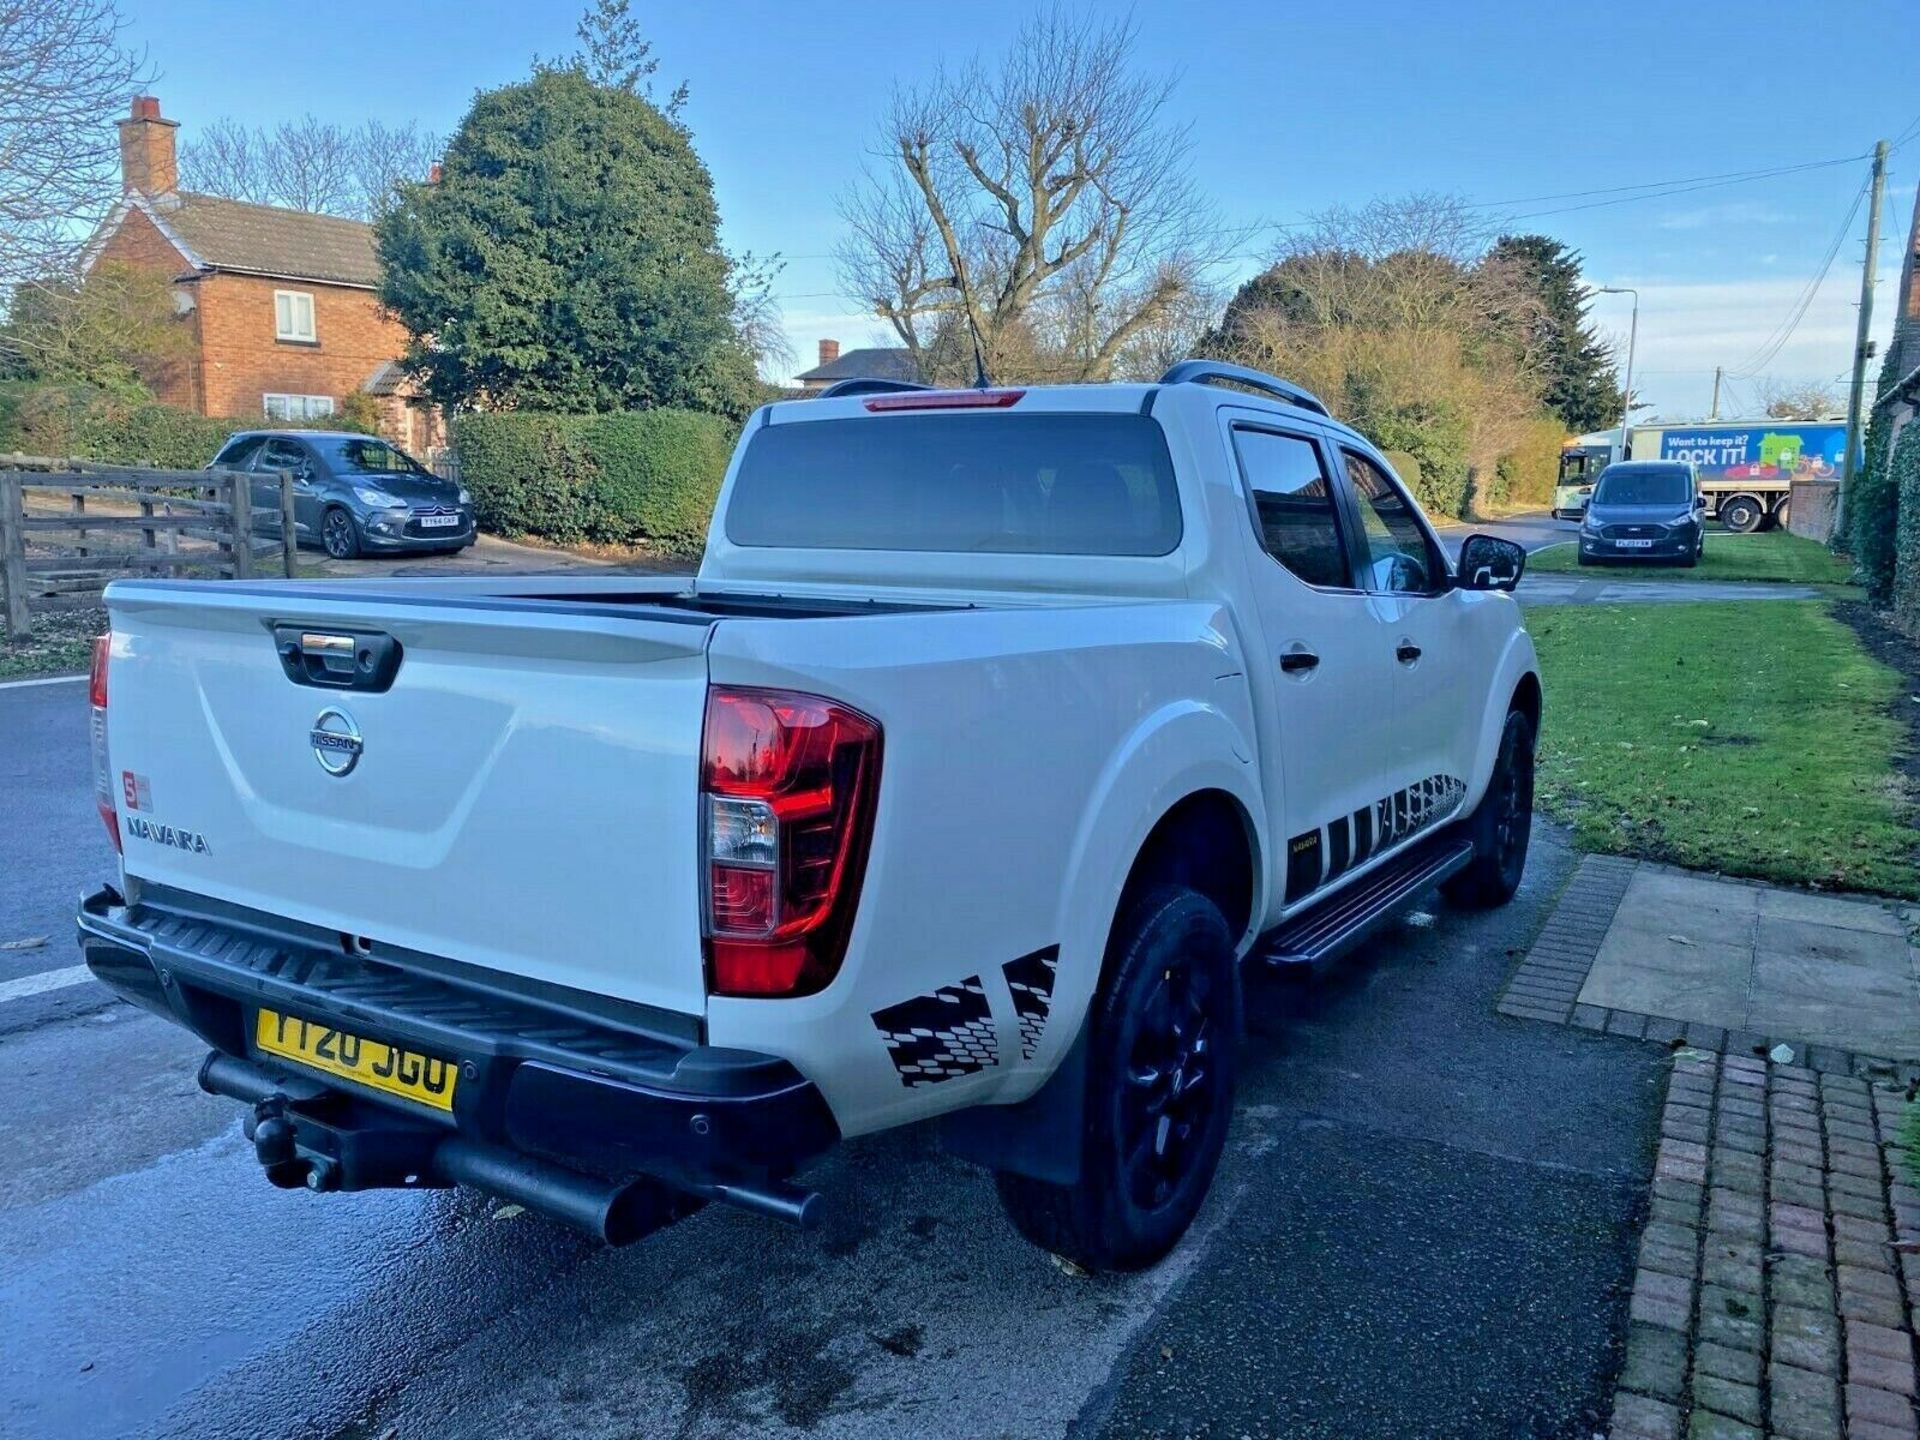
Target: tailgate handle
{"points": [[336, 659]]}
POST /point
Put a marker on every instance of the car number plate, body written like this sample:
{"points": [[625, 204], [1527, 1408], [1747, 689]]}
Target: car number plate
{"points": [[438, 522], [1634, 544], [424, 1079]]}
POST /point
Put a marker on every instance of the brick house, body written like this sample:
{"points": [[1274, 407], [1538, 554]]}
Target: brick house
{"points": [[282, 304], [880, 362]]}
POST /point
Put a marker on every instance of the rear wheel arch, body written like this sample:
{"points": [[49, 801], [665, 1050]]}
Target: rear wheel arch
{"points": [[1205, 841]]}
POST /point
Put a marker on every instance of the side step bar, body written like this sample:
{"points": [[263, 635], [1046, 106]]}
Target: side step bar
{"points": [[1309, 940]]}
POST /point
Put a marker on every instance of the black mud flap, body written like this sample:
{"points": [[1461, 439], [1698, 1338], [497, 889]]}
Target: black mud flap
{"points": [[1042, 1137]]}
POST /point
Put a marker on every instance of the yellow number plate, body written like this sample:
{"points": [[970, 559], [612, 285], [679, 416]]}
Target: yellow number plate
{"points": [[372, 1063]]}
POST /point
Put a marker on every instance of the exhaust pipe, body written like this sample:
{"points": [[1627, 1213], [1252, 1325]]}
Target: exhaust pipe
{"points": [[789, 1204], [612, 1213]]}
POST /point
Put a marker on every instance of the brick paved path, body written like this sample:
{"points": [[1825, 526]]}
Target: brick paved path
{"points": [[1770, 1299]]}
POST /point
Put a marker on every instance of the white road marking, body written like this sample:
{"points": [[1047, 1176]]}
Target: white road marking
{"points": [[46, 980], [49, 680]]}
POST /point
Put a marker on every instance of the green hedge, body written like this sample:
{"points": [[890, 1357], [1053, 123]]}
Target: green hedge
{"points": [[1904, 482], [643, 475], [1873, 508], [81, 422]]}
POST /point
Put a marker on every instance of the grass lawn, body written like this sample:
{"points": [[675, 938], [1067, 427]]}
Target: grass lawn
{"points": [[62, 644], [1769, 555], [1753, 739]]}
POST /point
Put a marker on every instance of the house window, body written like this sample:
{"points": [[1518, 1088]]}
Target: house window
{"points": [[293, 316], [297, 407]]}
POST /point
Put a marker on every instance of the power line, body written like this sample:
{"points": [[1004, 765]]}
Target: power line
{"points": [[1726, 176], [1777, 339]]}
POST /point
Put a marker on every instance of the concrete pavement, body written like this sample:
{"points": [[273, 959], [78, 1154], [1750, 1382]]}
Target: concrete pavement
{"points": [[53, 848]]}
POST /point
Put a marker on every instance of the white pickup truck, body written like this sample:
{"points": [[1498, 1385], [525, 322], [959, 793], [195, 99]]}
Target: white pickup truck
{"points": [[996, 730]]}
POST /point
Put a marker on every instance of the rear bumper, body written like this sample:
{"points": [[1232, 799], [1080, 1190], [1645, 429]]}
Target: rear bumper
{"points": [[599, 1088]]}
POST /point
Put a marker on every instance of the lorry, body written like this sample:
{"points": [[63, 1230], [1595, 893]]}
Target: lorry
{"points": [[997, 729], [1746, 468]]}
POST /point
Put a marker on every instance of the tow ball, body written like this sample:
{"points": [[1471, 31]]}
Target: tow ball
{"points": [[275, 1147]]}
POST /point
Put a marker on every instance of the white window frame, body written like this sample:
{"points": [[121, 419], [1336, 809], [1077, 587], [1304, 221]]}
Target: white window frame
{"points": [[296, 407], [293, 316]]}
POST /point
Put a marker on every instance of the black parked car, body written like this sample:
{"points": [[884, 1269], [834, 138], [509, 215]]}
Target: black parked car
{"points": [[353, 493], [1645, 510]]}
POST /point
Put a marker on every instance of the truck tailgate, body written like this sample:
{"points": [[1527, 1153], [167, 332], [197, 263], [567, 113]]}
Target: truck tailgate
{"points": [[524, 797]]}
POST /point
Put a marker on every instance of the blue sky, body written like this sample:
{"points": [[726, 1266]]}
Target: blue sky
{"points": [[1293, 108]]}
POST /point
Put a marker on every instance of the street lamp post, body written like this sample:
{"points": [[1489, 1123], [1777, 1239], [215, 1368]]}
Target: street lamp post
{"points": [[1633, 335]]}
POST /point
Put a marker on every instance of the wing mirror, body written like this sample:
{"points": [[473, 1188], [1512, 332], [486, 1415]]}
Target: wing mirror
{"points": [[1489, 563]]}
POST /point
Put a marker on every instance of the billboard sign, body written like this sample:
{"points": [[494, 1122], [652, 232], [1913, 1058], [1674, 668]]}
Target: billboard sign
{"points": [[1765, 451]]}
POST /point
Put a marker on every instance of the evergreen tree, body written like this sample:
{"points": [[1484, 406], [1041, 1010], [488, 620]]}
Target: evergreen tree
{"points": [[1579, 382], [567, 259]]}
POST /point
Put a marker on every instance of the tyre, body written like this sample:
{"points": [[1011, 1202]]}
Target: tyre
{"points": [[1501, 825], [1585, 559], [1741, 514], [339, 536], [1159, 1096]]}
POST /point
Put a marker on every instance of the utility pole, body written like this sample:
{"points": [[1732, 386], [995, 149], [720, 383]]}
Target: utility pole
{"points": [[1862, 346], [1718, 371]]}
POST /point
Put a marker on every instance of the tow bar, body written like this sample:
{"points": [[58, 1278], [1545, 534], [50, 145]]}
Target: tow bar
{"points": [[308, 1137]]}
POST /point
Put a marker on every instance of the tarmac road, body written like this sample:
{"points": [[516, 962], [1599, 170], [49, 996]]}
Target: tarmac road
{"points": [[1422, 1228]]}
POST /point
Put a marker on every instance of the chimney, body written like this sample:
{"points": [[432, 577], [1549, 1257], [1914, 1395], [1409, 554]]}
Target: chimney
{"points": [[829, 351], [433, 173], [147, 161]]}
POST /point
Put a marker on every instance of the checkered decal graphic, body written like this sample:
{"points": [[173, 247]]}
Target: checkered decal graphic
{"points": [[1030, 978], [1409, 811], [1318, 856], [936, 1037]]}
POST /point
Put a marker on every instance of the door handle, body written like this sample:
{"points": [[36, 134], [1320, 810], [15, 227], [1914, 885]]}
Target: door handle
{"points": [[1407, 652], [1298, 662]]}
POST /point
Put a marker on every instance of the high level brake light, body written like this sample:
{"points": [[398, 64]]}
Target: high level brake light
{"points": [[102, 766], [788, 786], [947, 400]]}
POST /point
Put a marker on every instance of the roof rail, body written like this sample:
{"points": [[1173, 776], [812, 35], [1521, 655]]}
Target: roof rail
{"points": [[1214, 372], [867, 385]]}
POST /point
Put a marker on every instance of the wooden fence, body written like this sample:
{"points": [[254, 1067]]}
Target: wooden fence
{"points": [[67, 527]]}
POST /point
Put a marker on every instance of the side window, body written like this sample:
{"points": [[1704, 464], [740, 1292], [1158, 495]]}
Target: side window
{"points": [[1294, 502], [1399, 555], [238, 453], [279, 455]]}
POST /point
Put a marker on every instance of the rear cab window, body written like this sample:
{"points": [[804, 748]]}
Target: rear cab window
{"points": [[1048, 483], [1297, 521]]}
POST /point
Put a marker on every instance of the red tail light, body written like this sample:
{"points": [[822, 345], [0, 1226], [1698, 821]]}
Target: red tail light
{"points": [[788, 786], [102, 766]]}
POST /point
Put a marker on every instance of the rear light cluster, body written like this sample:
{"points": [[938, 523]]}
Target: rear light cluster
{"points": [[788, 786], [103, 797]]}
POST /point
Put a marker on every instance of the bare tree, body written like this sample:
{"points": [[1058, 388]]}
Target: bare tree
{"points": [[1397, 315], [1802, 400], [64, 78], [384, 156], [309, 164], [756, 312], [1044, 203], [226, 158]]}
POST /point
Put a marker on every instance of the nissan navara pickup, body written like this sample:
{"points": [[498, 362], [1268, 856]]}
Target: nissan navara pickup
{"points": [[998, 732]]}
